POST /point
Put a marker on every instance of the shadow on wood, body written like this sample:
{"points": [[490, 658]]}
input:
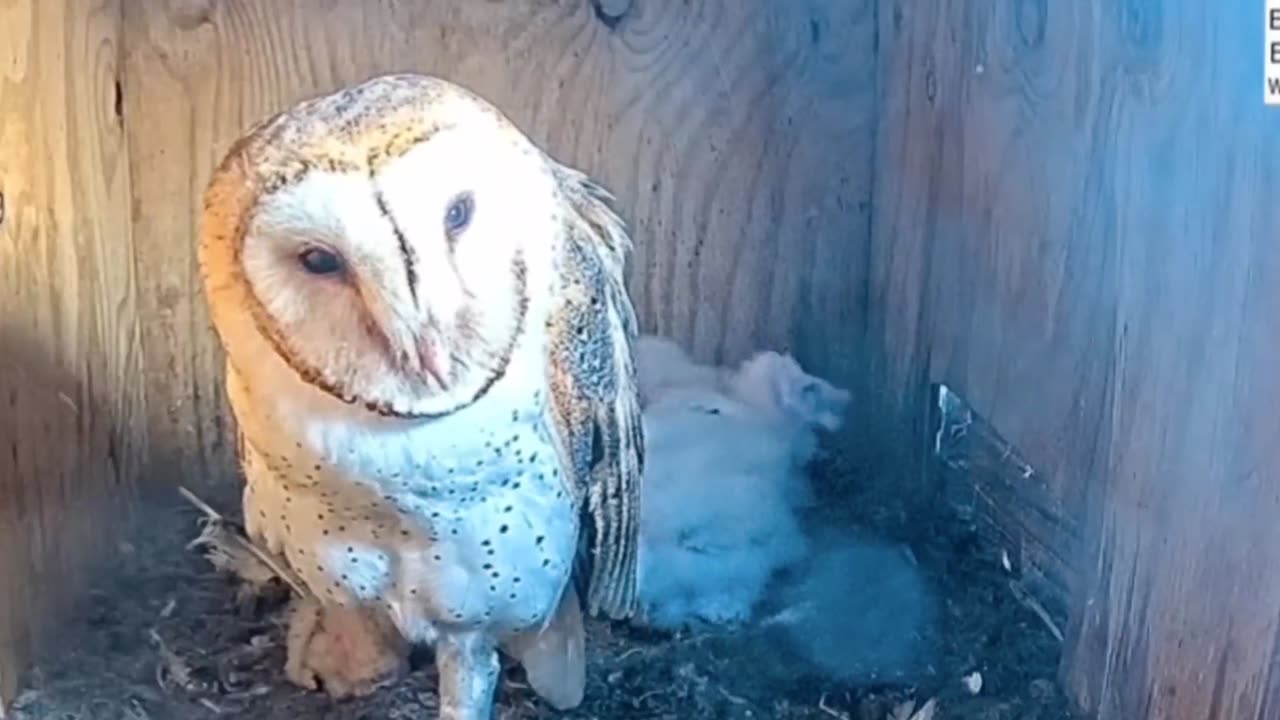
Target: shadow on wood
{"points": [[71, 386], [64, 481]]}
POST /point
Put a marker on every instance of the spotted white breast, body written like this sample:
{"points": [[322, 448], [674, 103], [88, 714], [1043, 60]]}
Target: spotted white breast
{"points": [[464, 520]]}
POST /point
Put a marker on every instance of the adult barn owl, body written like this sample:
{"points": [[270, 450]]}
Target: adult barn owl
{"points": [[428, 346]]}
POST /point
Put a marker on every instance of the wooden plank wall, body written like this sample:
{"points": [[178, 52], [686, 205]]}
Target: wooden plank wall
{"points": [[1076, 227], [1073, 226], [737, 135], [713, 122], [70, 359]]}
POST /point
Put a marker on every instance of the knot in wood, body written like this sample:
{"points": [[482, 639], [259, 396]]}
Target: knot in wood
{"points": [[611, 12], [190, 14]]}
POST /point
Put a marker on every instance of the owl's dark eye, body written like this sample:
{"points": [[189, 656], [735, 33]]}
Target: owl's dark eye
{"points": [[319, 261], [458, 216]]}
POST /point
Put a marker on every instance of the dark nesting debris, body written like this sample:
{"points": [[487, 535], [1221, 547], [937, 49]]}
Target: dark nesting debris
{"points": [[163, 637]]}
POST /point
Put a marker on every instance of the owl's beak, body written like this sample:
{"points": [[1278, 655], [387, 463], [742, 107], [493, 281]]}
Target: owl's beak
{"points": [[433, 362], [413, 339]]}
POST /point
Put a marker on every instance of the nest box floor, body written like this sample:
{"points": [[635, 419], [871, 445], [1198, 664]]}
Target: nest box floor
{"points": [[161, 636]]}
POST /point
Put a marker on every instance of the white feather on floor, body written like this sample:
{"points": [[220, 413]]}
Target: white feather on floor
{"points": [[725, 472]]}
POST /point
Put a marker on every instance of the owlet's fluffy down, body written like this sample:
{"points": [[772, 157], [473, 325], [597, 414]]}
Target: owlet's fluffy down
{"points": [[429, 358]]}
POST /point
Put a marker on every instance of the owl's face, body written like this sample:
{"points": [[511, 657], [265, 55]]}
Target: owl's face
{"points": [[401, 281]]}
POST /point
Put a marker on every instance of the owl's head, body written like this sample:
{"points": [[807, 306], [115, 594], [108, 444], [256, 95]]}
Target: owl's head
{"points": [[392, 243]]}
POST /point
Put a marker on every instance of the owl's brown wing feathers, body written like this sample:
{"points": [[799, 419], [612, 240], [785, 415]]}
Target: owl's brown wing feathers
{"points": [[595, 404]]}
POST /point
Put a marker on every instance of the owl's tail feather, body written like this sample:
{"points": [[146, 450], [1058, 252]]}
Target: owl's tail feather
{"points": [[554, 656]]}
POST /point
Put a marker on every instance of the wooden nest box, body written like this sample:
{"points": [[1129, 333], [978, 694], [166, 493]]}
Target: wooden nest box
{"points": [[1040, 240]]}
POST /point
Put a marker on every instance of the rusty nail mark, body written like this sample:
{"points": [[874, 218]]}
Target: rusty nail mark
{"points": [[1, 208]]}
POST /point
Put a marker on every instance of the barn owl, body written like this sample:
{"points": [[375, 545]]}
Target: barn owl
{"points": [[428, 357]]}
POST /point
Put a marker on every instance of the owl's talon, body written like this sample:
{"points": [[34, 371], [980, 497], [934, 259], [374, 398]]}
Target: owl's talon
{"points": [[468, 667], [351, 652]]}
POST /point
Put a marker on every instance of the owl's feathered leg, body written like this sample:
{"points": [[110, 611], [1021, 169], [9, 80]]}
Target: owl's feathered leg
{"points": [[467, 664]]}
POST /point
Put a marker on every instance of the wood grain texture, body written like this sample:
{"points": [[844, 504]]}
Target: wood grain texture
{"points": [[70, 360], [1075, 227], [1185, 584], [985, 157], [736, 134]]}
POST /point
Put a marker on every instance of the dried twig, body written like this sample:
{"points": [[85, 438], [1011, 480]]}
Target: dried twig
{"points": [[230, 550], [926, 711], [824, 707], [788, 616], [170, 667], [907, 710], [730, 696], [629, 653], [1029, 601]]}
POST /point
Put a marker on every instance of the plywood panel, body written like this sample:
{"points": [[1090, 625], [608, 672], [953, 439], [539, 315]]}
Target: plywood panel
{"points": [[995, 272], [1184, 584], [1075, 228], [70, 360], [736, 133]]}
